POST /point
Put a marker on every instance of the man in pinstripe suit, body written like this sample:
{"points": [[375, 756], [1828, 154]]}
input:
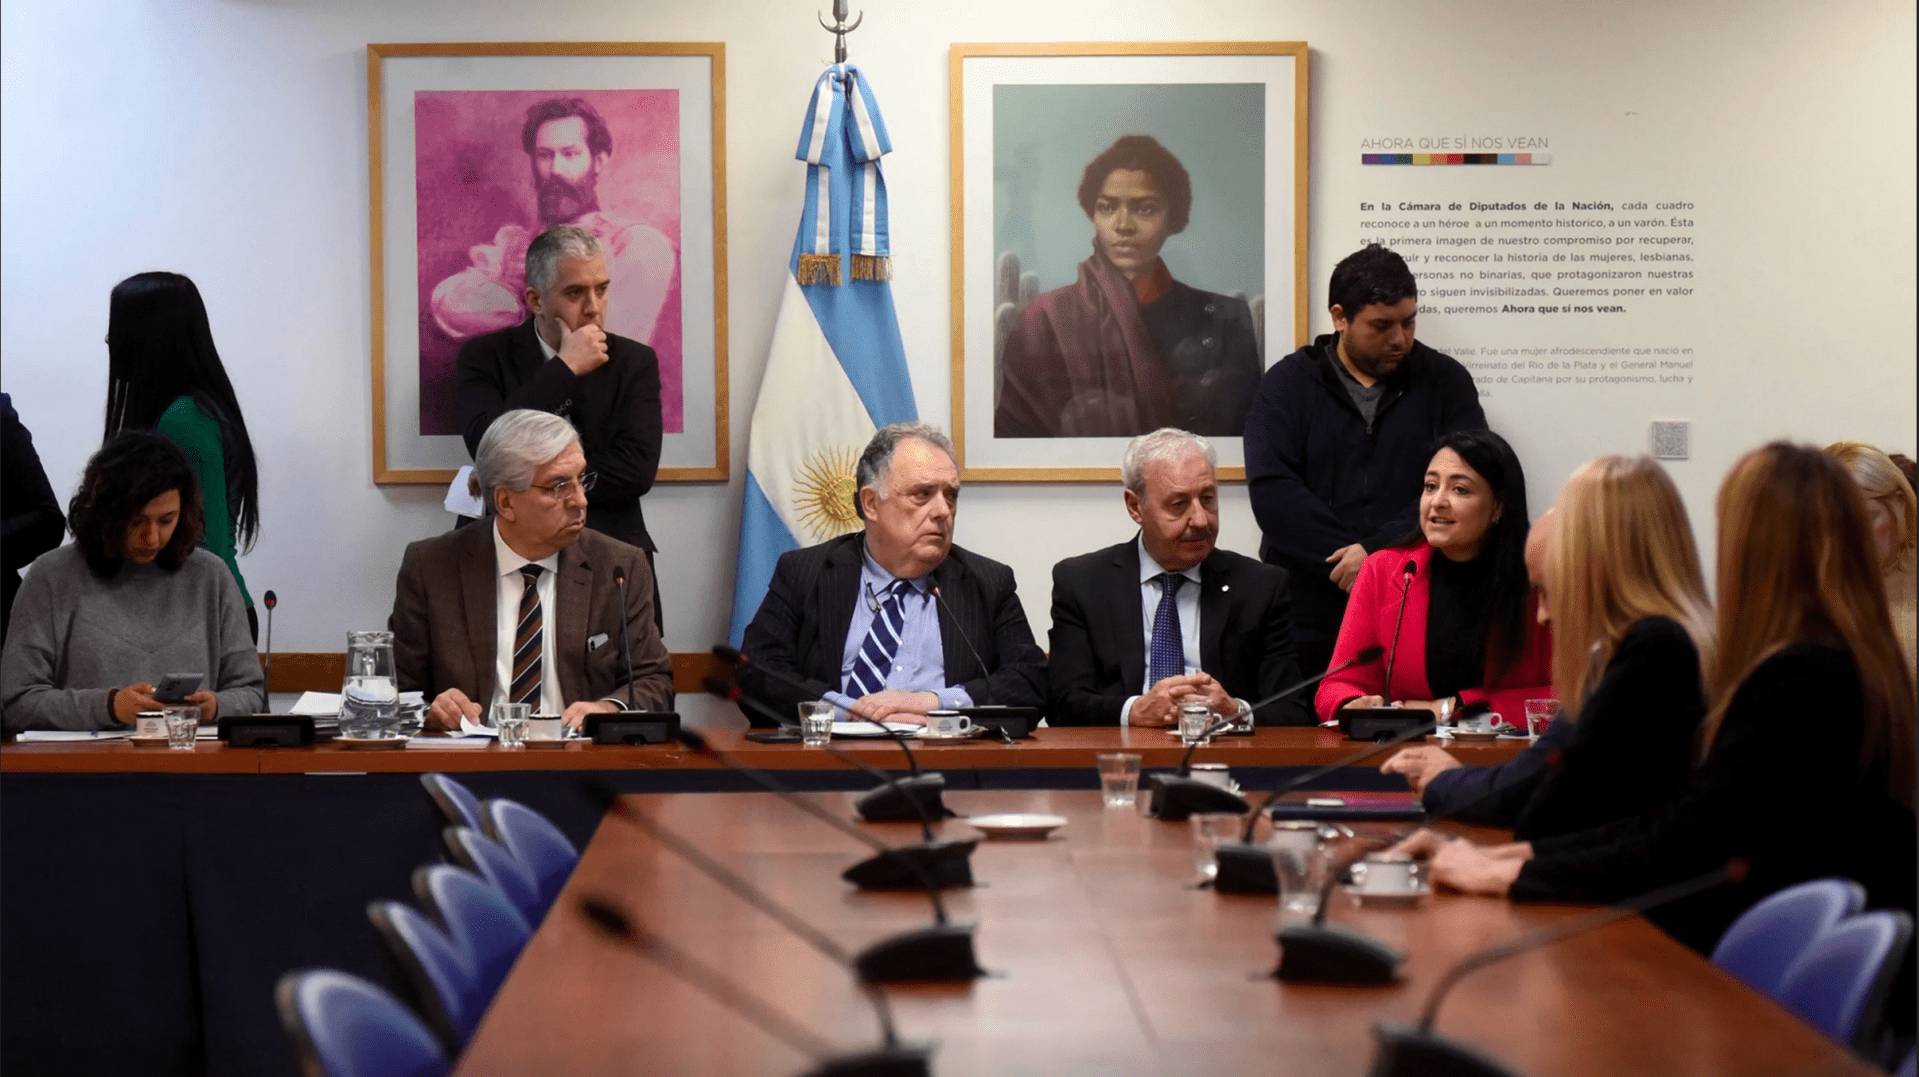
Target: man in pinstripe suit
{"points": [[895, 619]]}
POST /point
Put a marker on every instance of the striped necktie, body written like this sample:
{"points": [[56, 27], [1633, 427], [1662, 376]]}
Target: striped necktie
{"points": [[528, 642], [882, 644], [1169, 648]]}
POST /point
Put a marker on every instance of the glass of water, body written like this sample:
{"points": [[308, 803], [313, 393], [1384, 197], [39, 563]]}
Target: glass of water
{"points": [[1539, 714], [1194, 720], [816, 724], [1209, 829], [183, 727], [512, 719], [1118, 779], [1300, 863]]}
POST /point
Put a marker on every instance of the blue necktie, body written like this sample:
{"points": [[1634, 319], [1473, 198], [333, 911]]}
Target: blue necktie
{"points": [[1168, 658], [882, 645]]}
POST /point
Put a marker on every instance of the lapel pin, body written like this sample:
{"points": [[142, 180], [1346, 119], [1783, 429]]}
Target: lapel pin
{"points": [[1225, 587]]}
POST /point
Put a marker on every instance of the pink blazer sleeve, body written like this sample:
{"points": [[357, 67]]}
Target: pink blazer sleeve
{"points": [[1359, 630], [1530, 677]]}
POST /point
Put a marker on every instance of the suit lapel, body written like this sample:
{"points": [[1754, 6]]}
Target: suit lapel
{"points": [[839, 588], [1127, 616], [480, 589], [572, 597], [954, 654], [1214, 608]]}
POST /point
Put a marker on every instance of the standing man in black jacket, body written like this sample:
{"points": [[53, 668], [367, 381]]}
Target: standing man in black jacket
{"points": [[562, 360], [1339, 437]]}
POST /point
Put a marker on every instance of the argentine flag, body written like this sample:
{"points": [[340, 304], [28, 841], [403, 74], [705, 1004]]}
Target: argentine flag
{"points": [[837, 369]]}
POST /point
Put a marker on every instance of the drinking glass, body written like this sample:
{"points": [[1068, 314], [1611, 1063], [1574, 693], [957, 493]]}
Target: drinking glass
{"points": [[816, 724], [512, 719], [1300, 864], [1119, 779], [183, 727], [1209, 829], [1194, 719], [1539, 714], [368, 695]]}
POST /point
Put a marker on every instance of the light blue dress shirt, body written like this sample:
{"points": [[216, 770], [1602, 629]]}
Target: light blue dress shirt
{"points": [[920, 665]]}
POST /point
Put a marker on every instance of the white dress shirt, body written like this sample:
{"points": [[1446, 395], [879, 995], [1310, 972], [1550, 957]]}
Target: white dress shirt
{"points": [[1186, 603], [511, 585]]}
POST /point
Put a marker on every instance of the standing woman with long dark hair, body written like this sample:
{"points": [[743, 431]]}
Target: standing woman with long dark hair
{"points": [[163, 374]]}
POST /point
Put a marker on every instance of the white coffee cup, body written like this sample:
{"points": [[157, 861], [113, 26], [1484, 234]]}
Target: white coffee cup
{"points": [[150, 724], [544, 729], [1386, 873], [948, 724]]}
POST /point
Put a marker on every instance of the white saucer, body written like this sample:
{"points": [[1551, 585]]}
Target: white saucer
{"points": [[149, 742], [371, 743], [1467, 736], [927, 734], [1388, 899], [1016, 825], [549, 742]]}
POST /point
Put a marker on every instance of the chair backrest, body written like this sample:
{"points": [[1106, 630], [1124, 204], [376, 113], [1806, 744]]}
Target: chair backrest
{"points": [[444, 983], [1764, 941], [489, 860], [481, 922], [1839, 985], [455, 801], [342, 1026], [1910, 1067], [534, 841]]}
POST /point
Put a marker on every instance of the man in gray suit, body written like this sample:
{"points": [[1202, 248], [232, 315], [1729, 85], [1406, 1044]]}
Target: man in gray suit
{"points": [[524, 607], [895, 618]]}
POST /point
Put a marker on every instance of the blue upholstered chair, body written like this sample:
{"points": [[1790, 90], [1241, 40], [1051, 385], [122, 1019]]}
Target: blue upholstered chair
{"points": [[1910, 1067], [343, 1026], [479, 920], [455, 801], [440, 974], [1839, 985], [489, 860], [1766, 938], [535, 842]]}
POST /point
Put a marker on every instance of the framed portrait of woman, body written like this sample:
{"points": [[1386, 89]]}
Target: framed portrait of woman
{"points": [[1129, 226]]}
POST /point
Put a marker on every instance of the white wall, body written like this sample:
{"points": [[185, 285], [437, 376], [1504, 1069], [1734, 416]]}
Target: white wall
{"points": [[227, 140]]}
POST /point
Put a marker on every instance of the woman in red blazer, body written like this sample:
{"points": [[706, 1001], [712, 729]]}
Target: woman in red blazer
{"points": [[1471, 629]]}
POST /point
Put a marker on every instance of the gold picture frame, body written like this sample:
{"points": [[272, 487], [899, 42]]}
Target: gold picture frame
{"points": [[411, 442], [1048, 108]]}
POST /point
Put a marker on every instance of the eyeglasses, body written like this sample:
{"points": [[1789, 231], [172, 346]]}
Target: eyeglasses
{"points": [[560, 488]]}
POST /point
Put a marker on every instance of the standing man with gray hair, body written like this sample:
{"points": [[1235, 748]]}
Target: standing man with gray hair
{"points": [[562, 360], [894, 618], [523, 607], [1168, 618]]}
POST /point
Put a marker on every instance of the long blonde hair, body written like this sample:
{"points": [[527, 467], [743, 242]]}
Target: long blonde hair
{"points": [[1795, 562], [1879, 479], [1620, 550]]}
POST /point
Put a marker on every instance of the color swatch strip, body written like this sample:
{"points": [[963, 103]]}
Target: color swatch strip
{"points": [[1455, 158]]}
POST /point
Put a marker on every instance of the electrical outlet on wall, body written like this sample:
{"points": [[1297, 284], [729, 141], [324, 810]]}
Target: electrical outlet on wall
{"points": [[1671, 439]]}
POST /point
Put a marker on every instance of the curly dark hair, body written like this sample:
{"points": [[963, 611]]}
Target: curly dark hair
{"points": [[1142, 153], [599, 138], [1372, 274], [130, 470]]}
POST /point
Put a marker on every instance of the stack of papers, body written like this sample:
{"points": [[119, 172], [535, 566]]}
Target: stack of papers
{"points": [[53, 735]]}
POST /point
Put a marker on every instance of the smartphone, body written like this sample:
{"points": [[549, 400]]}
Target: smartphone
{"points": [[176, 687]]}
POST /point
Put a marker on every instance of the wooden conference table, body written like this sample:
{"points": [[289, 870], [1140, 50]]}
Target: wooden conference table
{"points": [[1106, 961]]}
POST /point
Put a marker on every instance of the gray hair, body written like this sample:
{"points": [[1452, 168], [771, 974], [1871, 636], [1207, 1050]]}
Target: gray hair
{"points": [[1167, 445], [544, 254], [515, 446], [876, 462]]}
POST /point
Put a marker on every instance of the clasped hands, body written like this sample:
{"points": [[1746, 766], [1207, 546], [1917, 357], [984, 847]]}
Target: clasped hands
{"points": [[1160, 705]]}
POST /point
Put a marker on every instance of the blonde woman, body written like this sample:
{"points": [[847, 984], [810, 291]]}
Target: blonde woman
{"points": [[1810, 742], [1630, 626], [1893, 514]]}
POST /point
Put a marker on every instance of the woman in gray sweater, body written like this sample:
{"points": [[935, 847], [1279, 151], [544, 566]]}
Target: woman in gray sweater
{"points": [[98, 622]]}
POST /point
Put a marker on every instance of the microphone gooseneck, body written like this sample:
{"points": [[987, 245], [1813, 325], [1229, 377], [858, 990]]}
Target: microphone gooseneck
{"points": [[1373, 748], [626, 644], [1405, 586], [985, 674], [269, 600], [738, 658]]}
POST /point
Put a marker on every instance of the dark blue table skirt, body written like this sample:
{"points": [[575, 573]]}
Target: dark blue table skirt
{"points": [[146, 917]]}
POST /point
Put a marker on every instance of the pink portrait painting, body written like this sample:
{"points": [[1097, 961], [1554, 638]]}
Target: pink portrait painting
{"points": [[496, 167]]}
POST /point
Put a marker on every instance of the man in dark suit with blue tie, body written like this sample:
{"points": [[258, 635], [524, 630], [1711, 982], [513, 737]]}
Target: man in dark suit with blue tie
{"points": [[895, 619], [1167, 617]]}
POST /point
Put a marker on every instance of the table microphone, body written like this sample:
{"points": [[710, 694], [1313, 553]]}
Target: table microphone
{"points": [[1245, 868], [1177, 796], [269, 600], [891, 1059], [626, 645], [1405, 586], [950, 862], [943, 951], [1416, 1051], [902, 800]]}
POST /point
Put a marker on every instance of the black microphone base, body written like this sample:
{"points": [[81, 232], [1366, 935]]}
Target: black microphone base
{"points": [[1244, 868], [1379, 723], [1176, 798], [943, 952], [896, 1061], [907, 800], [1406, 1051], [907, 867], [1317, 953]]}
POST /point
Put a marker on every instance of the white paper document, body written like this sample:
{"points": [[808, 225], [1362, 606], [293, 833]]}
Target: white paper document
{"points": [[52, 735]]}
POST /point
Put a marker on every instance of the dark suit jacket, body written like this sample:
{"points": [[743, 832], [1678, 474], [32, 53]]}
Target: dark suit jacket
{"points": [[616, 409], [445, 629], [1098, 653], [800, 629]]}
